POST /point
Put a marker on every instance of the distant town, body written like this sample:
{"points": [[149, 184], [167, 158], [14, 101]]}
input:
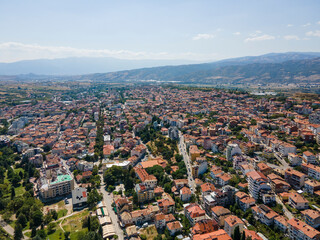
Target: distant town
{"points": [[152, 161]]}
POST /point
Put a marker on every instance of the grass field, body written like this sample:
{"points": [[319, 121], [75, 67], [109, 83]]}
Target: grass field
{"points": [[62, 213], [72, 224], [149, 232]]}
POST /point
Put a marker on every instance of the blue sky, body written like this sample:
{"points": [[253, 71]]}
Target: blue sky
{"points": [[173, 29]]}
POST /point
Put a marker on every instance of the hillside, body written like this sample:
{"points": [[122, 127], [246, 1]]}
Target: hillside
{"points": [[282, 68], [293, 71]]}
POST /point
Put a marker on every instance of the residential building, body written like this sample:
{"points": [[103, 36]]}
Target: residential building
{"points": [[311, 186], [166, 204], [173, 133], [258, 184], [250, 234], [57, 185], [309, 157], [294, 178], [232, 149], [223, 179], [300, 230], [123, 204], [144, 193], [200, 166], [264, 168], [244, 201], [286, 148], [174, 227], [231, 222], [312, 170], [281, 223], [294, 159], [185, 194], [194, 152], [204, 226], [160, 221], [216, 235], [194, 213], [265, 214], [296, 201], [219, 214], [278, 184], [311, 217]]}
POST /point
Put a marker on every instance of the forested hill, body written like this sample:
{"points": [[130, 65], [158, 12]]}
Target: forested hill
{"points": [[292, 71]]}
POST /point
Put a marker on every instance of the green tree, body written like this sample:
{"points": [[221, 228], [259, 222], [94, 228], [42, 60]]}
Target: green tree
{"points": [[37, 217], [95, 170], [13, 193], [167, 188], [22, 220], [47, 218], [243, 237], [33, 232], [135, 199], [51, 228], [93, 198], [18, 232], [236, 234], [66, 235], [41, 234], [94, 224], [54, 214]]}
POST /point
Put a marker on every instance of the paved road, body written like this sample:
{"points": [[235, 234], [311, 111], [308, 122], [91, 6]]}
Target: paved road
{"points": [[108, 201], [284, 164], [285, 210], [186, 159], [8, 228]]}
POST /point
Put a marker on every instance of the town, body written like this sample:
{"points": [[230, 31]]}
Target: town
{"points": [[159, 162]]}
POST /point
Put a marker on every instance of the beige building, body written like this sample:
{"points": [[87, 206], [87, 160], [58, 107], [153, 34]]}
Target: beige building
{"points": [[58, 186]]}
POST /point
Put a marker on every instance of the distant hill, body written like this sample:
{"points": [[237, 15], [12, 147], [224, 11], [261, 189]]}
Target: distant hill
{"points": [[271, 68], [81, 65], [86, 65], [281, 68]]}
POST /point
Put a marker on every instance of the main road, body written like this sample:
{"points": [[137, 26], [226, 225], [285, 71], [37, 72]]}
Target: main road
{"points": [[186, 159], [288, 214], [108, 201]]}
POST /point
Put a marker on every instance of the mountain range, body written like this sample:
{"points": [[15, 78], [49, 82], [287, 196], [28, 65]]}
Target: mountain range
{"points": [[284, 68], [80, 65]]}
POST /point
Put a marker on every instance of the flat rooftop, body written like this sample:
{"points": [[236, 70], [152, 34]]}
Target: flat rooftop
{"points": [[62, 178]]}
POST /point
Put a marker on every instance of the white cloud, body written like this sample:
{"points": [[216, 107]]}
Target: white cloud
{"points": [[315, 33], [15, 51], [236, 33], [260, 38], [306, 25], [204, 36], [291, 37], [290, 25], [318, 22]]}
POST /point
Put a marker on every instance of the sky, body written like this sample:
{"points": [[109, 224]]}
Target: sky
{"points": [[195, 30]]}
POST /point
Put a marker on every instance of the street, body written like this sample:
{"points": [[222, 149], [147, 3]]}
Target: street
{"points": [[285, 210], [186, 159], [108, 201]]}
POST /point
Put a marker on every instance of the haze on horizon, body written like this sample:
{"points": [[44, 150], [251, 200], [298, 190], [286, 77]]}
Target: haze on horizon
{"points": [[170, 30]]}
